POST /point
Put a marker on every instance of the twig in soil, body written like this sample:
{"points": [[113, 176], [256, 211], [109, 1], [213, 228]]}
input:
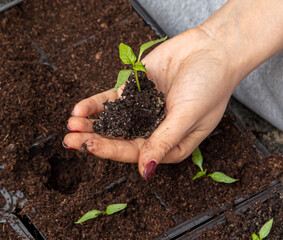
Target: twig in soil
{"points": [[176, 220], [110, 186]]}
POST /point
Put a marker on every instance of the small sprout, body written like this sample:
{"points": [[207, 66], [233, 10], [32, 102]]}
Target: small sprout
{"points": [[200, 174], [216, 176], [197, 158], [111, 209], [221, 177], [127, 56], [89, 215], [264, 231]]}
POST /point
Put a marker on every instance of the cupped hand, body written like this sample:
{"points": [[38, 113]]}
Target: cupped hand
{"points": [[197, 75]]}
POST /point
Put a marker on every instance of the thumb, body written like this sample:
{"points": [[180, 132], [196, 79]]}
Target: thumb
{"points": [[169, 133]]}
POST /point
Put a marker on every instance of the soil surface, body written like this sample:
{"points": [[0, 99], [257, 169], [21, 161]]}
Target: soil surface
{"points": [[134, 114], [243, 225], [2, 201], [7, 233], [54, 54]]}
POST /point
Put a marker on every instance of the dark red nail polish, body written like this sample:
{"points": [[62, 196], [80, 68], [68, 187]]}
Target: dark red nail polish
{"points": [[150, 169], [84, 149], [71, 129], [65, 146]]}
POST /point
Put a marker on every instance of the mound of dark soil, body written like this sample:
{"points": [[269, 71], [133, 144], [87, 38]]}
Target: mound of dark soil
{"points": [[134, 114]]}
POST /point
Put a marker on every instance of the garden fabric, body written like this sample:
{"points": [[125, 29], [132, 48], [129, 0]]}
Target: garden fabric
{"points": [[261, 90]]}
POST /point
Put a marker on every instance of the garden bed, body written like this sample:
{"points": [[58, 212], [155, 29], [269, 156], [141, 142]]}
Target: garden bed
{"points": [[56, 54], [247, 218]]}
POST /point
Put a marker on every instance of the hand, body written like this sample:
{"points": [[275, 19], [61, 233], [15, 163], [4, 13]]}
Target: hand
{"points": [[194, 72], [198, 71]]}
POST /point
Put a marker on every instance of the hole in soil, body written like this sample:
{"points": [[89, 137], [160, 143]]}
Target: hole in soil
{"points": [[65, 174], [29, 226]]}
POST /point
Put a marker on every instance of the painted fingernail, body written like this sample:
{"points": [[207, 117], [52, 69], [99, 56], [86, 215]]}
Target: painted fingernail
{"points": [[71, 129], [65, 146], [85, 149], [150, 169]]}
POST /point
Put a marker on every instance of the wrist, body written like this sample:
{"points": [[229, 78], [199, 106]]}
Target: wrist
{"points": [[250, 32]]}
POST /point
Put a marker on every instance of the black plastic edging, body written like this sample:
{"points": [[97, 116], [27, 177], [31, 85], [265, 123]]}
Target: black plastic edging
{"points": [[16, 225], [9, 4], [242, 207], [7, 215], [21, 223], [204, 219], [187, 225], [147, 18]]}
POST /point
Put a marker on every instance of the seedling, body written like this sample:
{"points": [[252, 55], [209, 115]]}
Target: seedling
{"points": [[111, 209], [264, 231], [216, 176], [128, 57]]}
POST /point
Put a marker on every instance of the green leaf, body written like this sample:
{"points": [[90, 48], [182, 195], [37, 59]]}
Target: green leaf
{"points": [[255, 237], [197, 158], [199, 174], [126, 54], [122, 78], [148, 45], [113, 208], [265, 230], [139, 67], [221, 177], [89, 215]]}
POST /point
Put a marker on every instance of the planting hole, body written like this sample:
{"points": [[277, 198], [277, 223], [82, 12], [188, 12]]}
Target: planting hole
{"points": [[65, 174]]}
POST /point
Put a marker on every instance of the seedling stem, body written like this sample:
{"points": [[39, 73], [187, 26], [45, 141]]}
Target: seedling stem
{"points": [[137, 80], [127, 56]]}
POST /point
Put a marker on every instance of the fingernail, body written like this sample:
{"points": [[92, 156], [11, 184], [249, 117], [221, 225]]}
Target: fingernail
{"points": [[150, 169], [85, 149], [71, 129], [72, 113], [65, 146]]}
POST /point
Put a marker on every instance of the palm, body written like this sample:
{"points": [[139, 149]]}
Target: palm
{"points": [[196, 82]]}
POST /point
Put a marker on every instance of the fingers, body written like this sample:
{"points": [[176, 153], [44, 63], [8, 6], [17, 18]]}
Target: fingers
{"points": [[118, 150], [78, 124], [170, 132], [75, 140], [114, 149], [94, 104]]}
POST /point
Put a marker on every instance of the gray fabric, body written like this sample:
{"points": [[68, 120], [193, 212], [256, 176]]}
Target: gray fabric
{"points": [[261, 91]]}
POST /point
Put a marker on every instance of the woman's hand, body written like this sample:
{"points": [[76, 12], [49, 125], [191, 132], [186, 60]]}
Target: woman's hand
{"points": [[194, 71], [198, 71]]}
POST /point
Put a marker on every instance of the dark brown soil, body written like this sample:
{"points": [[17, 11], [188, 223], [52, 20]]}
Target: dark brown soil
{"points": [[62, 185], [134, 114], [7, 233], [243, 225], [2, 201]]}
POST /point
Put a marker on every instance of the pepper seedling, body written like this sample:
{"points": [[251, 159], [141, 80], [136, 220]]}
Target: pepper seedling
{"points": [[216, 176], [111, 209], [127, 56], [264, 231]]}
